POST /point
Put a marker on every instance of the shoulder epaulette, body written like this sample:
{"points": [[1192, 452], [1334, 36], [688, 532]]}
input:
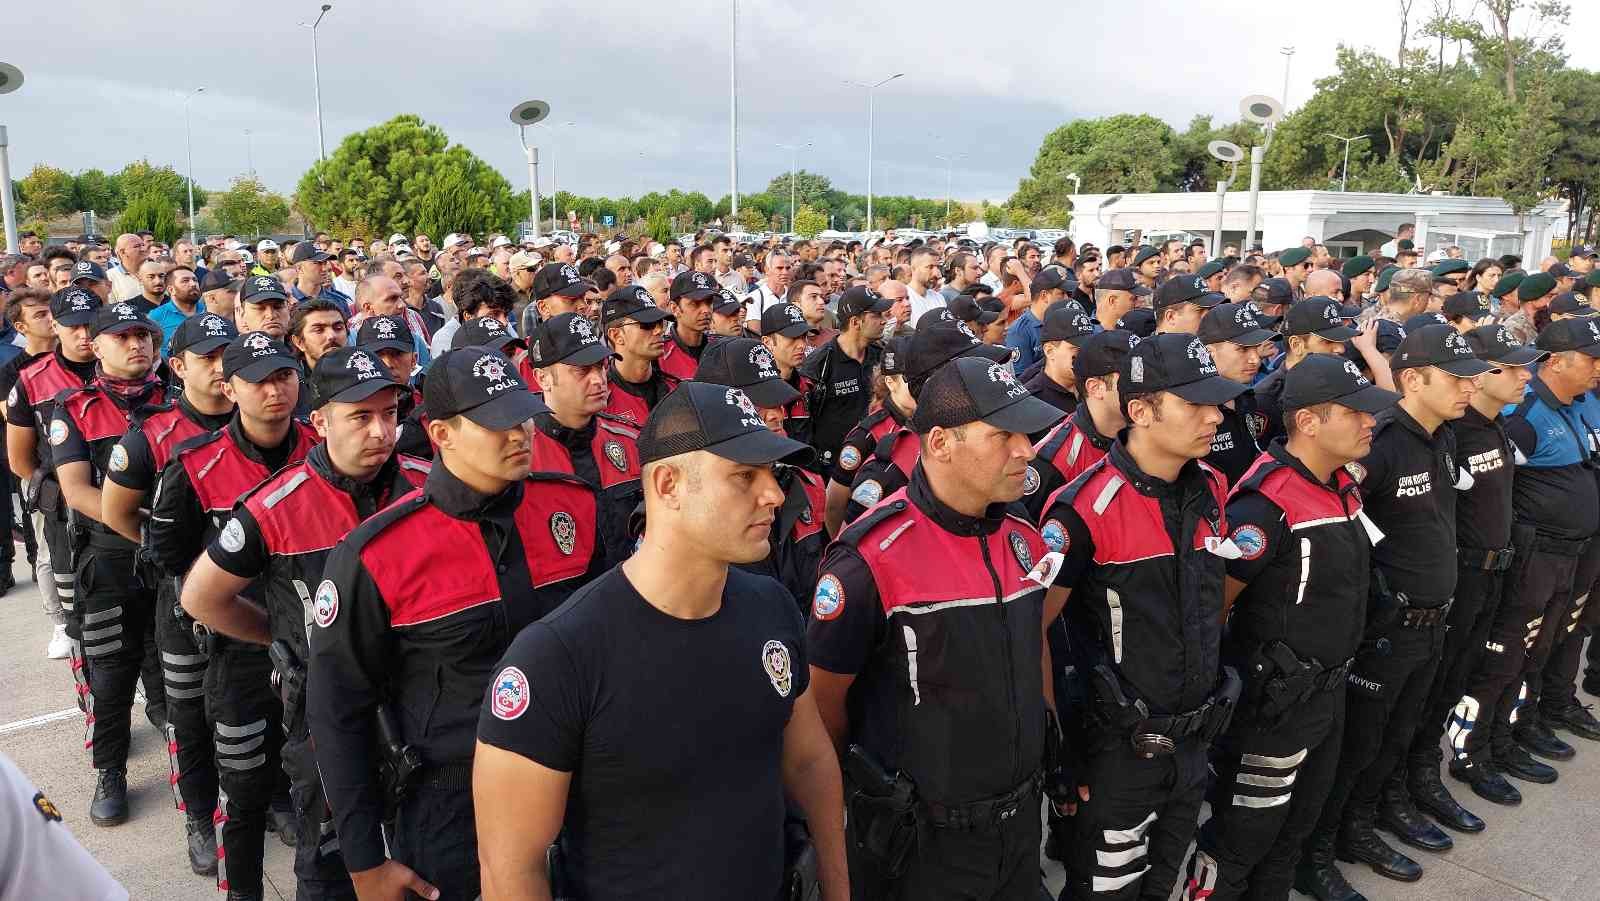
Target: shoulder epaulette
{"points": [[858, 530], [615, 424]]}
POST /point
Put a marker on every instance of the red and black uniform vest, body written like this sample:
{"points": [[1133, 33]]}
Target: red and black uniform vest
{"points": [[411, 433], [164, 430], [631, 403], [605, 455], [220, 472], [40, 382], [859, 444], [301, 512], [101, 422], [679, 360], [798, 537], [1064, 453], [797, 412], [887, 471], [1153, 602], [1312, 595], [957, 671]]}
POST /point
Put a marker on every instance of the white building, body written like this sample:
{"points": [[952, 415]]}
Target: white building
{"points": [[1348, 223]]}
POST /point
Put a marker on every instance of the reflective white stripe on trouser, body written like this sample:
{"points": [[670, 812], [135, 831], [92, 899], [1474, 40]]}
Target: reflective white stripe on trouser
{"points": [[1274, 763], [237, 740], [1266, 781], [1126, 836], [100, 616], [1253, 801], [1112, 883], [1123, 856], [911, 664], [1462, 720], [1287, 765], [1120, 858]]}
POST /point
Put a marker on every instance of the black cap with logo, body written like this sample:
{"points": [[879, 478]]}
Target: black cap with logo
{"points": [[88, 271], [387, 333], [484, 331], [859, 299], [1177, 363], [1066, 321], [482, 385], [1442, 347], [718, 419], [1140, 321], [1186, 289], [1102, 354], [255, 355], [784, 319], [307, 252], [1320, 316], [1422, 319], [1236, 323], [727, 303], [1470, 304], [894, 355], [262, 288], [972, 389], [631, 302], [1493, 344], [218, 278], [745, 363], [1582, 334], [347, 375], [692, 285], [1570, 304], [73, 307], [1330, 378], [120, 317], [559, 278], [967, 310], [1120, 280], [202, 334], [1274, 291], [1050, 279], [939, 338], [568, 338]]}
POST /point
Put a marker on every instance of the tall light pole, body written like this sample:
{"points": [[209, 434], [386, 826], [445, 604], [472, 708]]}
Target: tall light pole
{"points": [[524, 114], [553, 191], [1344, 174], [949, 172], [794, 162], [733, 112], [188, 150], [1288, 57], [316, 78], [1263, 111], [869, 89], [10, 80], [1077, 182], [249, 157]]}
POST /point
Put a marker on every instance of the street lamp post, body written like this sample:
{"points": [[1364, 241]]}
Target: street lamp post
{"points": [[249, 157], [733, 112], [794, 162], [1344, 174], [553, 190], [188, 150], [316, 79], [10, 80], [1077, 182], [1288, 57], [869, 89], [524, 114], [949, 174]]}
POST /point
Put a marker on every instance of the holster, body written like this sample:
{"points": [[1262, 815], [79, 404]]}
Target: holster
{"points": [[1384, 607], [800, 869], [1279, 681], [882, 811], [201, 633], [291, 679], [398, 762]]}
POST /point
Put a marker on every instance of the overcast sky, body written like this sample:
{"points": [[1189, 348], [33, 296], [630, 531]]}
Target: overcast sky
{"points": [[646, 84]]}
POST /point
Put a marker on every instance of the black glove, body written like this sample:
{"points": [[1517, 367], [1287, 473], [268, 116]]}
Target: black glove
{"points": [[1063, 767]]}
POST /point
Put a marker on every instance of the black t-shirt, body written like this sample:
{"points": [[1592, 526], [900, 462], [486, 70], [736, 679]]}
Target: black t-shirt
{"points": [[1408, 488], [1483, 512], [845, 392], [1051, 392], [672, 729]]}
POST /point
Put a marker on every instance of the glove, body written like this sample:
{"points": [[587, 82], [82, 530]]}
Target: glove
{"points": [[1063, 769]]}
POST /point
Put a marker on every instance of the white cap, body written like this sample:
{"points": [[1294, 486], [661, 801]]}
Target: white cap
{"points": [[397, 238], [613, 246], [452, 240], [232, 244], [541, 241], [477, 252], [499, 242], [266, 244]]}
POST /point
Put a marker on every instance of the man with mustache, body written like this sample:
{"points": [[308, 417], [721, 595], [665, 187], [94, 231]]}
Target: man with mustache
{"points": [[635, 327]]}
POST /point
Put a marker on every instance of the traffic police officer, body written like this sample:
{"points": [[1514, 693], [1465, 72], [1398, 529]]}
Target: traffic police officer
{"points": [[117, 608], [573, 436], [1408, 485], [205, 478], [634, 328], [416, 607], [1234, 336], [692, 294], [131, 475], [278, 539], [1079, 441], [933, 673], [1298, 596], [1144, 536], [892, 411]]}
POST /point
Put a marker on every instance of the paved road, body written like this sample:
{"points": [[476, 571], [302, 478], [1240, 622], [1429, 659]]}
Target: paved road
{"points": [[1544, 849]]}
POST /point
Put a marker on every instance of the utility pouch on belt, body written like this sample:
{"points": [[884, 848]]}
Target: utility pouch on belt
{"points": [[1279, 680], [1384, 607], [1111, 704], [398, 762], [882, 811], [291, 675]]}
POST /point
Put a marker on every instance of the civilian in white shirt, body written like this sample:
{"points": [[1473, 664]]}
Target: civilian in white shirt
{"points": [[923, 286], [996, 263], [770, 291], [131, 253]]}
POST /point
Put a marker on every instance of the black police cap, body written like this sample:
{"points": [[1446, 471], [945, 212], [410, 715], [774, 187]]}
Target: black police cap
{"points": [[1494, 344], [1570, 304], [745, 363], [482, 385], [631, 302], [484, 331], [349, 375], [1441, 347], [1066, 321], [1140, 320], [559, 278], [261, 288], [387, 333], [255, 355], [859, 299], [784, 319], [973, 389], [939, 338], [73, 307], [1178, 363], [1582, 334], [88, 271], [718, 419], [1467, 303], [967, 310], [692, 285], [1320, 316], [1237, 323], [1102, 354], [120, 317], [569, 338], [202, 334], [1330, 378]]}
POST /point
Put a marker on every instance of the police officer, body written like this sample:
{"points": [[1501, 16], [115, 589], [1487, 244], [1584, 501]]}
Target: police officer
{"points": [[940, 337], [417, 605], [575, 437], [1180, 303], [557, 289], [390, 338], [29, 408], [798, 533], [272, 550], [1080, 440], [132, 472], [1483, 535], [1555, 510], [1298, 597], [691, 296], [637, 676], [200, 485], [841, 370], [1143, 534], [1066, 327], [1234, 336], [1408, 486], [890, 411], [784, 331], [635, 329], [117, 607], [1316, 326], [958, 817], [263, 307]]}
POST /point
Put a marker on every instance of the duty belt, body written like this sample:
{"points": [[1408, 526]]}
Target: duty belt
{"points": [[1425, 617], [446, 775], [1333, 676], [1492, 561], [985, 813], [107, 540]]}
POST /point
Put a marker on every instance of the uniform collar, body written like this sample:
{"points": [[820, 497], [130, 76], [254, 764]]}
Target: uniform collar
{"points": [[1404, 420], [635, 388], [1144, 482], [1084, 422], [1279, 451], [456, 499], [569, 438], [943, 516], [1474, 418], [322, 465], [250, 448], [1542, 391]]}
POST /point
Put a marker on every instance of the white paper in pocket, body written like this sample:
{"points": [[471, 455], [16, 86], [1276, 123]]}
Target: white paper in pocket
{"points": [[1223, 547], [1463, 480]]}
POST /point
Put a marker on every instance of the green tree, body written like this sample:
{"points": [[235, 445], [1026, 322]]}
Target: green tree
{"points": [[152, 212], [396, 175], [658, 226], [248, 208], [1124, 153], [46, 193], [93, 189], [809, 220], [141, 177]]}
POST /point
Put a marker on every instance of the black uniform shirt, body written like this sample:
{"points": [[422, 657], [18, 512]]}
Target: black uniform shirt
{"points": [[1408, 481], [842, 393], [1235, 445], [1048, 390], [672, 730], [1483, 512]]}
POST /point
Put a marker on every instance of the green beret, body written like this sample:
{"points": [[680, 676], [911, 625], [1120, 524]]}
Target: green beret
{"points": [[1145, 253], [1294, 256], [1592, 279], [1449, 267], [1508, 282], [1356, 265], [1405, 244], [1536, 286], [1211, 268], [1384, 277]]}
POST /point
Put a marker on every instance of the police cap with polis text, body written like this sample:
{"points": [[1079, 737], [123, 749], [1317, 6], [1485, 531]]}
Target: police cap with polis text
{"points": [[348, 375], [632, 302], [973, 389], [1494, 344], [1320, 316], [967, 310], [1236, 323], [202, 334], [939, 338], [1141, 321], [255, 355], [88, 271], [1570, 304], [720, 420], [727, 303], [1178, 363], [1102, 354], [559, 278], [1441, 347], [1467, 303], [387, 333], [119, 317], [73, 307], [1066, 321], [217, 279], [745, 363], [1185, 289], [859, 299], [784, 319], [262, 288], [1120, 280], [1582, 334], [482, 385], [1330, 378], [1422, 319], [894, 355], [692, 285], [569, 338], [484, 331]]}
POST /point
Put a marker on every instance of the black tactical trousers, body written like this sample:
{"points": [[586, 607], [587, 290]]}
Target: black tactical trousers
{"points": [[190, 748], [435, 832], [1537, 589], [1471, 616], [1271, 782], [318, 866], [1131, 836], [247, 719], [116, 612], [1558, 688]]}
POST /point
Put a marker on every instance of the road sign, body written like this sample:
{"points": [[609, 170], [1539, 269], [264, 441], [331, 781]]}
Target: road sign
{"points": [[608, 221]]}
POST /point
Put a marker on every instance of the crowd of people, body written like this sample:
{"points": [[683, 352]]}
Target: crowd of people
{"points": [[606, 569]]}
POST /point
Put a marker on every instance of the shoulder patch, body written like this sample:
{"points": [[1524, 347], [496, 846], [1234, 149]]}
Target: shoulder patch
{"points": [[1030, 480], [119, 459], [867, 493], [1250, 540], [1055, 536], [1019, 547], [828, 602], [849, 457], [775, 660], [325, 606], [617, 456], [1356, 470], [509, 699], [58, 432], [232, 536]]}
